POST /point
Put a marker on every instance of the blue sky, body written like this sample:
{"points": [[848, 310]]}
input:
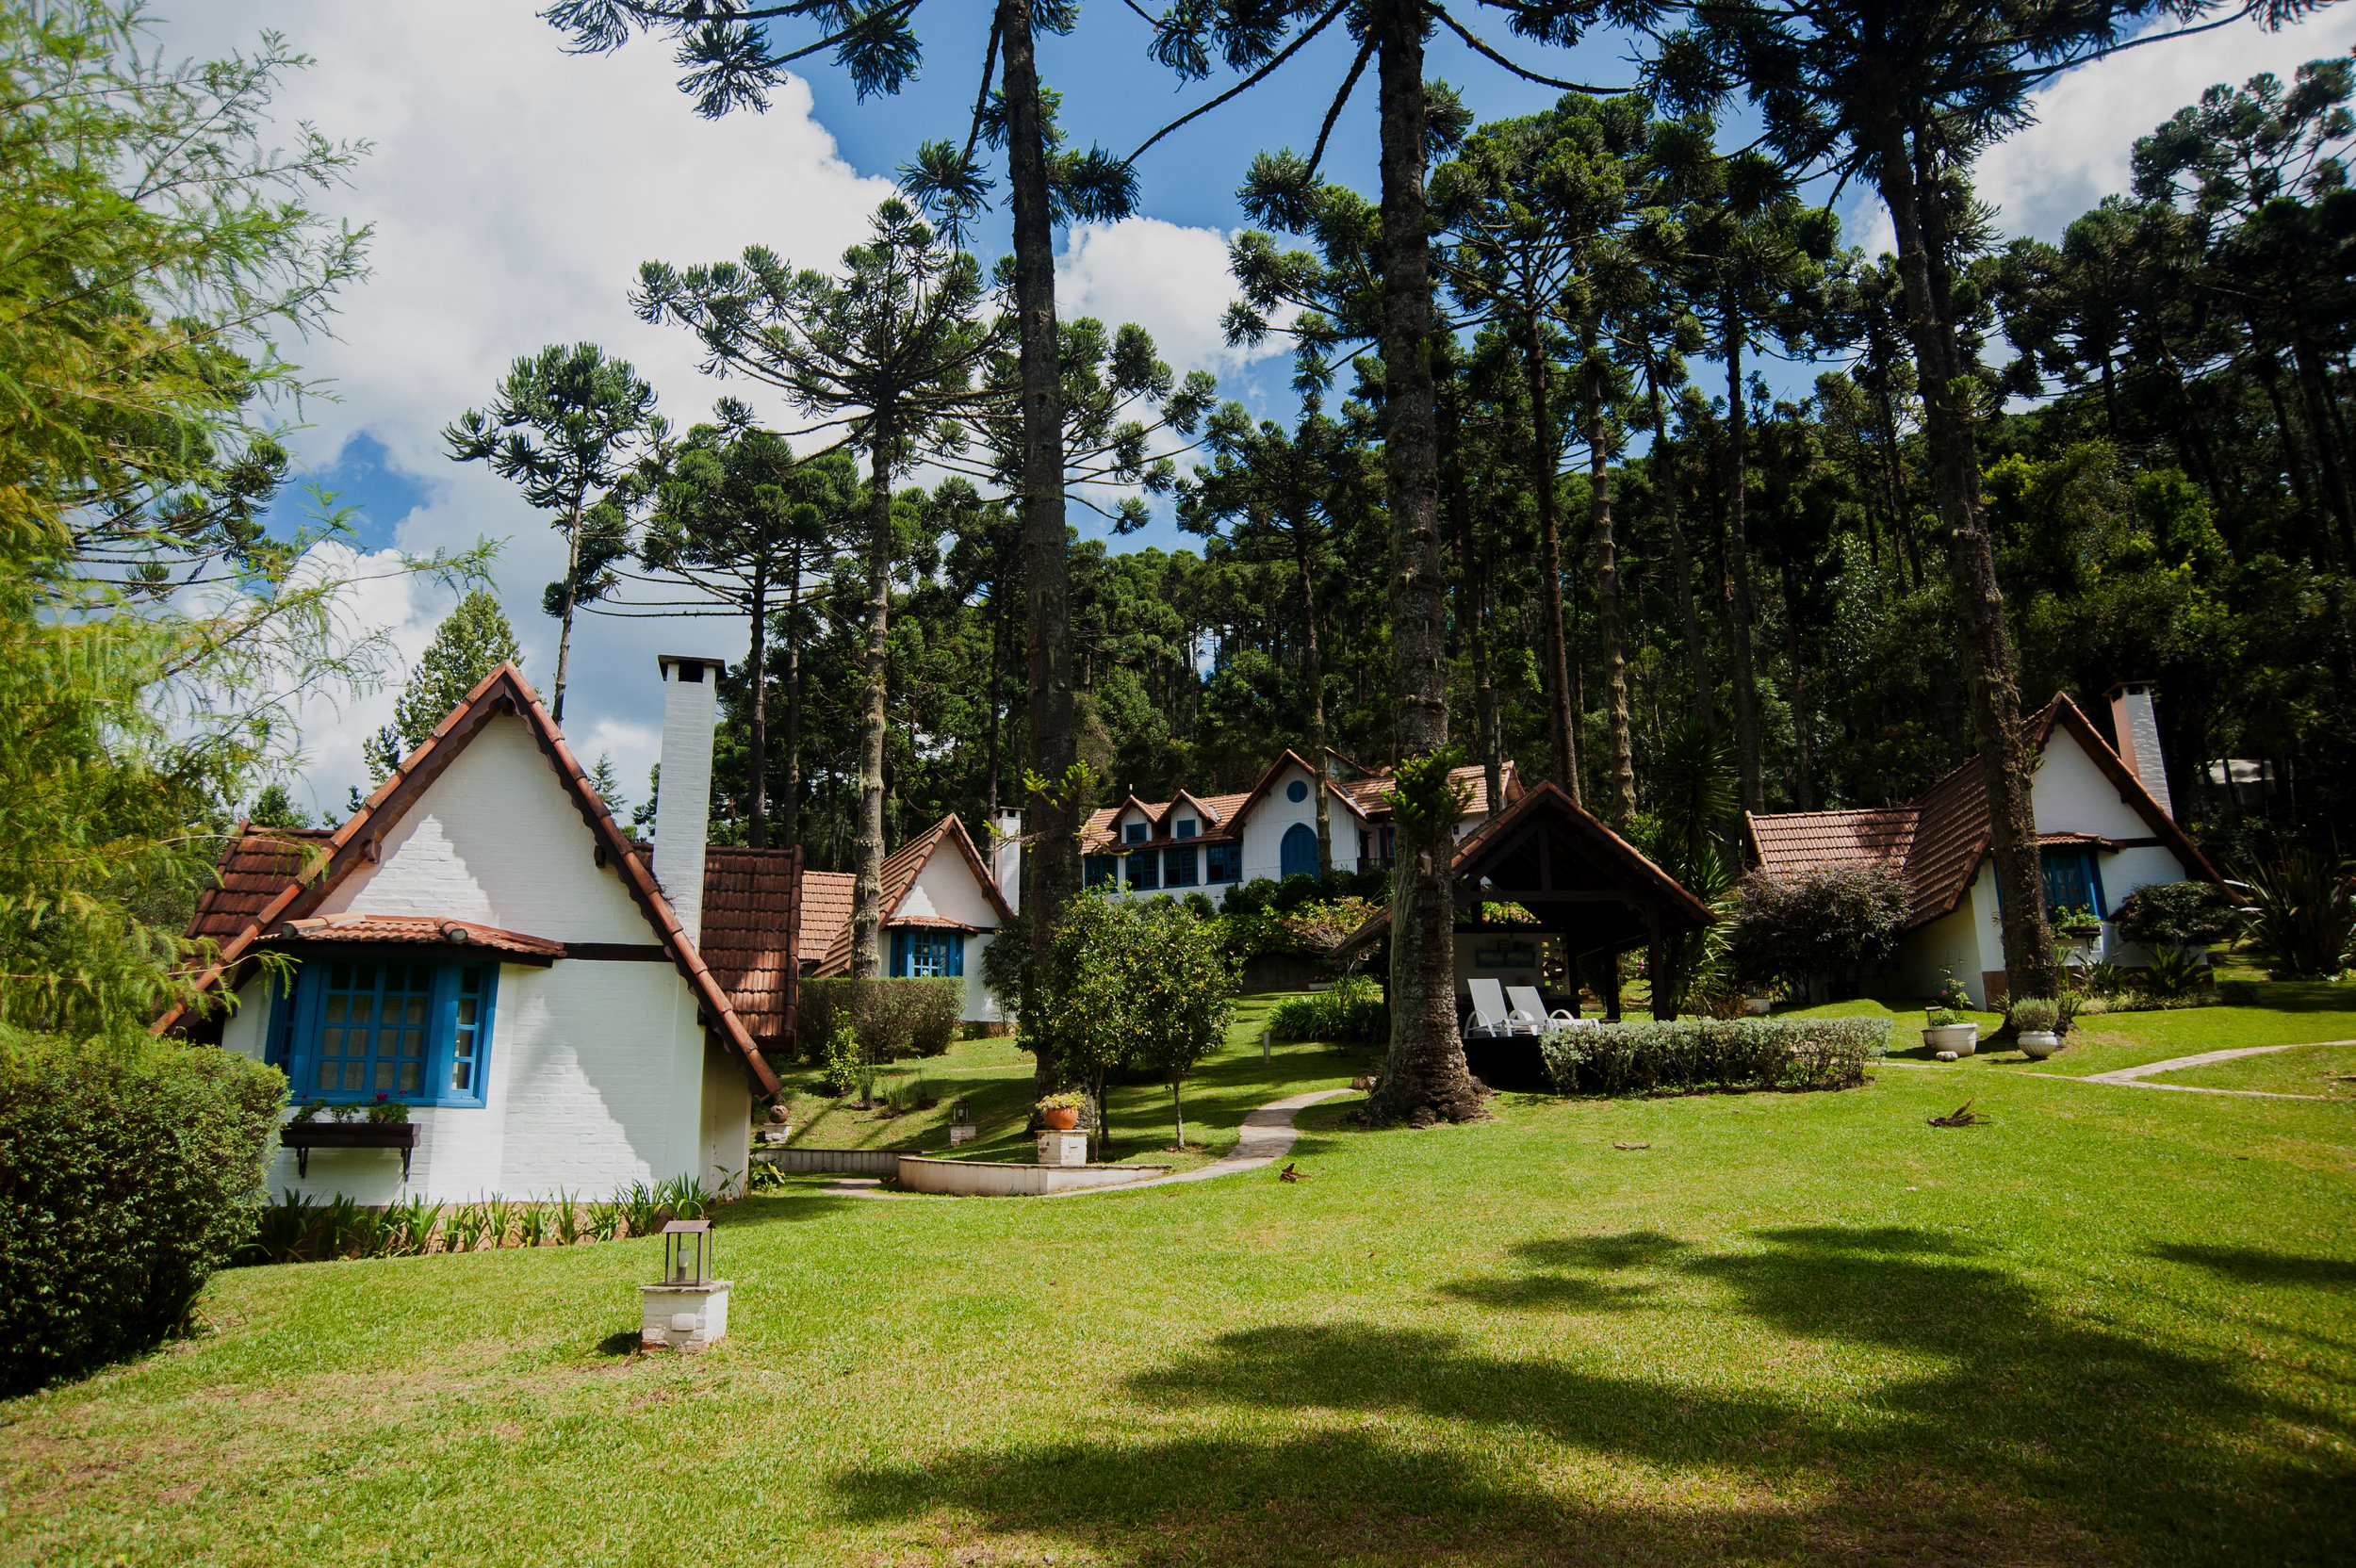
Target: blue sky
{"points": [[513, 190]]}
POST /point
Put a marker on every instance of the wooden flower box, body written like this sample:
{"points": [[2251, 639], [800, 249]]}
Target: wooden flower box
{"points": [[303, 1136]]}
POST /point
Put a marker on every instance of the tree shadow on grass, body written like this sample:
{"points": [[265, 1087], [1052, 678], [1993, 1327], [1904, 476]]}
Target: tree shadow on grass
{"points": [[790, 1206], [2252, 1265], [2014, 1433]]}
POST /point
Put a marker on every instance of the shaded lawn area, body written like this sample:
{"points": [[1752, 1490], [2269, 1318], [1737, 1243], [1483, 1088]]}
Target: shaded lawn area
{"points": [[2112, 1327], [2323, 1070], [992, 1077], [2285, 1013]]}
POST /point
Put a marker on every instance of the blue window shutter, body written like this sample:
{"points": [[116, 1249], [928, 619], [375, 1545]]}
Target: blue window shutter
{"points": [[1298, 854], [899, 956], [956, 969]]}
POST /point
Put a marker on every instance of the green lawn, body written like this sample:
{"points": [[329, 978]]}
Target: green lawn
{"points": [[2111, 1327], [2322, 1070]]}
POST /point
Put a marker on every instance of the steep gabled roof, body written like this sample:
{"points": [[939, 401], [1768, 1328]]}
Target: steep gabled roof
{"points": [[1938, 841], [333, 858], [751, 933], [900, 871], [825, 911]]}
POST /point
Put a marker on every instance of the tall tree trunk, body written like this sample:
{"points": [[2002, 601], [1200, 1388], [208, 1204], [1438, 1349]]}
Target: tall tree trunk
{"points": [[564, 624], [1424, 1077], [757, 669], [997, 653], [789, 803], [1746, 743], [1313, 671], [1902, 510], [867, 911], [1668, 477], [1623, 804], [2318, 399], [1987, 649], [1472, 586], [1542, 479], [1799, 690], [1052, 864]]}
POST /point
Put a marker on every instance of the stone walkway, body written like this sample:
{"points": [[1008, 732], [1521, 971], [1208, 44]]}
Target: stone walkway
{"points": [[1267, 1136], [2134, 1076]]}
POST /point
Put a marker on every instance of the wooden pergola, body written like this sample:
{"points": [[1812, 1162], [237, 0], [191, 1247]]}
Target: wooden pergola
{"points": [[1581, 880]]}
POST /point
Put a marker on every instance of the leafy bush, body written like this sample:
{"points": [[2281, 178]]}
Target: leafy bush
{"points": [[2302, 914], [128, 1175], [1352, 1012], [2177, 915], [2175, 970], [1948, 1017], [1725, 1055], [2036, 1015], [1823, 924], [890, 1018]]}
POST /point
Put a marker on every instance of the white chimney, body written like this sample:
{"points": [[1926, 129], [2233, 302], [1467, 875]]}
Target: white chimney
{"points": [[1005, 854], [2138, 731], [683, 800]]}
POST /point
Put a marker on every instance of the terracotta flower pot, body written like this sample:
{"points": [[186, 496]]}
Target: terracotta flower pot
{"points": [[1063, 1118]]}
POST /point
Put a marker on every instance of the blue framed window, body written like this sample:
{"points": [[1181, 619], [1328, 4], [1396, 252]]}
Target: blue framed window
{"points": [[1100, 871], [1223, 862], [1297, 791], [1178, 867], [927, 955], [2072, 882], [1188, 827], [1297, 852], [1145, 868], [416, 1029], [1136, 833]]}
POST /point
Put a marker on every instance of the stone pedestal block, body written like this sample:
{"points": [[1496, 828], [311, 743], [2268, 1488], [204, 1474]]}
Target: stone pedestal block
{"points": [[683, 1317], [1063, 1148]]}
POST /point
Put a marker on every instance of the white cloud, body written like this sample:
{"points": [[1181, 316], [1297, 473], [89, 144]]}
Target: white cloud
{"points": [[1172, 280], [2045, 176], [515, 189]]}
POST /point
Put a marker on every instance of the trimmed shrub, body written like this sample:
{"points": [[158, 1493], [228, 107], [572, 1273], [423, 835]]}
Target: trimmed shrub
{"points": [[128, 1175], [1352, 1012], [1693, 1055], [1824, 925], [2177, 914], [892, 1018]]}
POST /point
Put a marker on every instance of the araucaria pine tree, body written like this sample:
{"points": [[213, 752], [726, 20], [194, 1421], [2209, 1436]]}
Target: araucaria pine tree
{"points": [[472, 641]]}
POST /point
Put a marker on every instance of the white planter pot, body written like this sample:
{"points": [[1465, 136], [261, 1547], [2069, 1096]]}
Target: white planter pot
{"points": [[2039, 1044], [1757, 1007], [1961, 1038]]}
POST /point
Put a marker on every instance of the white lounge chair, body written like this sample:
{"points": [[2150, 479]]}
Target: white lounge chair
{"points": [[1491, 1018], [1527, 1003]]}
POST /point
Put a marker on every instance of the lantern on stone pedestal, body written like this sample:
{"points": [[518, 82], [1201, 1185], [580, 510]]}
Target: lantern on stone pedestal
{"points": [[688, 1309]]}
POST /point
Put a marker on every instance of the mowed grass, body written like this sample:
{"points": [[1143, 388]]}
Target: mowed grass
{"points": [[2112, 1325], [2329, 1071]]}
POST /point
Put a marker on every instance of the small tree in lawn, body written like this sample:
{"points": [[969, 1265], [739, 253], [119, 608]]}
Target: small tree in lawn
{"points": [[1182, 994], [1800, 929], [2178, 917], [1083, 1028]]}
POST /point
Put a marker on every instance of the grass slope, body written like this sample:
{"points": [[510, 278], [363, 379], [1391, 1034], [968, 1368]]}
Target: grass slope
{"points": [[2327, 1070], [2111, 1327]]}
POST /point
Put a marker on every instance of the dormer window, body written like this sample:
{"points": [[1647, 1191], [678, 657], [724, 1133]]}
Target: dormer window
{"points": [[1136, 833], [1188, 827]]}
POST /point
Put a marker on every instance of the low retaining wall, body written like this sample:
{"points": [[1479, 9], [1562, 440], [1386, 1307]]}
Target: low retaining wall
{"points": [[855, 1162], [991, 1178]]}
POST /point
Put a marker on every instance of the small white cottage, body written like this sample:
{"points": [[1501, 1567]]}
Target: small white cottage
{"points": [[561, 1010], [2104, 828], [942, 905]]}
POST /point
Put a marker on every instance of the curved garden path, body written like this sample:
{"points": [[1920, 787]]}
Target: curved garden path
{"points": [[2134, 1076], [1267, 1136]]}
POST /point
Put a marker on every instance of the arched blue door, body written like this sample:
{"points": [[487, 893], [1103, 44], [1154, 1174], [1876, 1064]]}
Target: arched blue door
{"points": [[1300, 850]]}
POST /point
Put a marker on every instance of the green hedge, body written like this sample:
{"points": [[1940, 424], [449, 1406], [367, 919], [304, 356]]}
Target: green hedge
{"points": [[1725, 1055], [126, 1177], [892, 1018], [1352, 1012]]}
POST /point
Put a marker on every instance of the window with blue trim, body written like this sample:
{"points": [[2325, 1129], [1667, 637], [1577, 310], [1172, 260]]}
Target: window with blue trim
{"points": [[1223, 862], [1136, 833], [2074, 884], [415, 1029], [1100, 871], [1145, 868], [922, 955], [1297, 791], [1178, 867], [1188, 827]]}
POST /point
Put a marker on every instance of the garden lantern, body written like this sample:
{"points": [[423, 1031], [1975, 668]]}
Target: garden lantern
{"points": [[688, 1309]]}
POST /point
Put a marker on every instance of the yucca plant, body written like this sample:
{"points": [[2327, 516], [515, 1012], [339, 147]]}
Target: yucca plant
{"points": [[642, 1210], [410, 1227], [467, 1224], [281, 1231], [2303, 913], [606, 1221], [339, 1224], [567, 1219], [532, 1225], [499, 1217], [682, 1197]]}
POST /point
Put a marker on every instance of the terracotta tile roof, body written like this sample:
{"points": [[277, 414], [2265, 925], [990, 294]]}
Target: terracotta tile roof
{"points": [[1940, 841], [1362, 797], [825, 912], [900, 868], [333, 859], [257, 869], [410, 928], [752, 912]]}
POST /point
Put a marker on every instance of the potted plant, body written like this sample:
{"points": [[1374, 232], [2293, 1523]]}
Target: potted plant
{"points": [[1062, 1111], [1949, 1031], [380, 1124], [2034, 1021]]}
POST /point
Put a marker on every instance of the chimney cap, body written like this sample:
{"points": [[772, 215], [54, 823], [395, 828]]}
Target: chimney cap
{"points": [[2132, 686], [663, 661]]}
